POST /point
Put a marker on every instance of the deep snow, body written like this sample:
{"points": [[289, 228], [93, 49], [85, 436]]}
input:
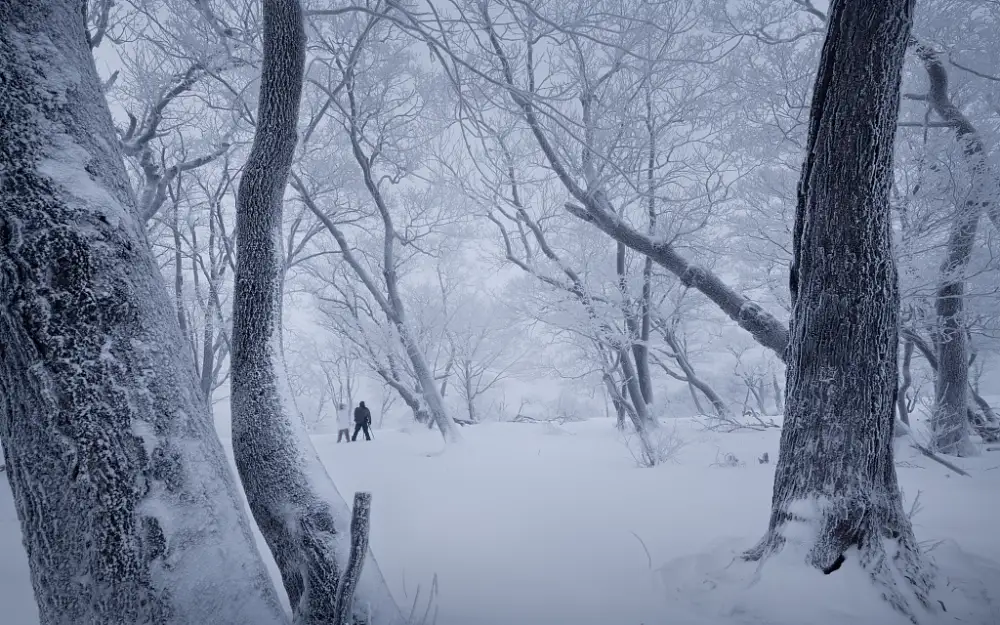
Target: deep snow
{"points": [[547, 524]]}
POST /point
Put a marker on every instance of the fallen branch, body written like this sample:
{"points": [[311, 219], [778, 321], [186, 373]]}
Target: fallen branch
{"points": [[360, 524], [731, 424], [906, 431], [930, 454]]}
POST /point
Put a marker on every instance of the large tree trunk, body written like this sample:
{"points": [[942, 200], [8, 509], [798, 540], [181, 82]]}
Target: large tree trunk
{"points": [[298, 509], [835, 483], [129, 510]]}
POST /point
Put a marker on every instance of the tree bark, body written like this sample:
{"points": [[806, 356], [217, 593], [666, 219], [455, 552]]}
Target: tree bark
{"points": [[985, 420], [907, 381], [779, 397], [632, 385], [949, 421], [646, 301], [129, 511], [835, 483], [209, 347], [301, 515], [635, 327]]}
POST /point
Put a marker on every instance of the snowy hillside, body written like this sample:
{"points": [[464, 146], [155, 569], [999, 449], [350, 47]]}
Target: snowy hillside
{"points": [[546, 524]]}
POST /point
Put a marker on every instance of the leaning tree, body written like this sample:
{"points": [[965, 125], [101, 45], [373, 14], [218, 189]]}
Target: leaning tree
{"points": [[835, 481], [302, 516]]}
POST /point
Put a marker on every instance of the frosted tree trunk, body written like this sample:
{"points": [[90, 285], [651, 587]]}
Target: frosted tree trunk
{"points": [[983, 418], [644, 421], [695, 383], [208, 347], [637, 327], [835, 482], [421, 370], [902, 403], [299, 511], [129, 510], [950, 423], [469, 389]]}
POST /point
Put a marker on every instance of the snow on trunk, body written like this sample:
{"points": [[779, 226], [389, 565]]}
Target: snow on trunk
{"points": [[129, 511], [425, 377], [835, 483], [950, 420], [301, 515]]}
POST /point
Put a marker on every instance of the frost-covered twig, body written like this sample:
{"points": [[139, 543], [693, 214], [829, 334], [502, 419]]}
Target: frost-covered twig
{"points": [[729, 460], [731, 424], [360, 523], [649, 558], [915, 507], [430, 602], [427, 618]]}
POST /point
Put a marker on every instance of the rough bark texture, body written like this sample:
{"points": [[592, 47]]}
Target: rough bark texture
{"points": [[984, 419], [360, 527], [904, 386], [637, 327], [950, 425], [129, 510], [835, 482], [297, 508]]}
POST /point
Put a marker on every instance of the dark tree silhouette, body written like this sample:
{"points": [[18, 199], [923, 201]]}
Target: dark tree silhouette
{"points": [[835, 472]]}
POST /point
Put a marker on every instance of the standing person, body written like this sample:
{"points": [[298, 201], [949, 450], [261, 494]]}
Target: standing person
{"points": [[362, 420], [343, 423]]}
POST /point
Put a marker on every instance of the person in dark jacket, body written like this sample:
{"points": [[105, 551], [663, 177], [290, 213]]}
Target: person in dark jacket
{"points": [[362, 421]]}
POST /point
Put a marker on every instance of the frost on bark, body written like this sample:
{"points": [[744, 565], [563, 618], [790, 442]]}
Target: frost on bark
{"points": [[950, 424], [835, 483], [128, 508], [298, 509]]}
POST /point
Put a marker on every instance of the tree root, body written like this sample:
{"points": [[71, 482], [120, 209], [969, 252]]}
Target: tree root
{"points": [[886, 548]]}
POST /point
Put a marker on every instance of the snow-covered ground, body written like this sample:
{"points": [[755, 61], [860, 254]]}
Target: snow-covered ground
{"points": [[545, 524]]}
